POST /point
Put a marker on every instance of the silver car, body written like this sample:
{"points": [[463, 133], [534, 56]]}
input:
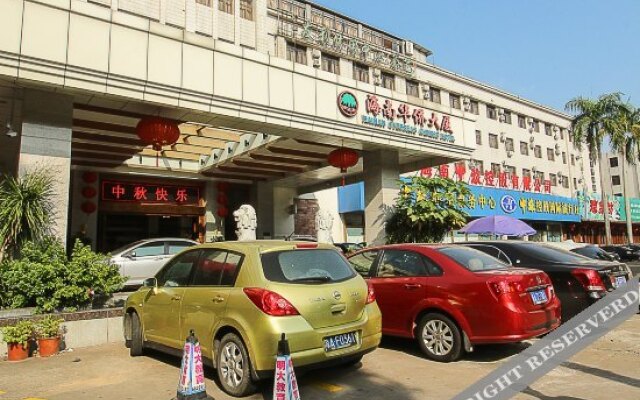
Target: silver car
{"points": [[144, 258]]}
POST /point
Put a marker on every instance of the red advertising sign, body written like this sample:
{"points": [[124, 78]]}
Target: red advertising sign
{"points": [[113, 191]]}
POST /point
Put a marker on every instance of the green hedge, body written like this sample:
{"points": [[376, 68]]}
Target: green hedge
{"points": [[44, 277]]}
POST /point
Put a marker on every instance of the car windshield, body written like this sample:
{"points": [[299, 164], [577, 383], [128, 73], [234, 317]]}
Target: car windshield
{"points": [[473, 260], [306, 266], [592, 252], [552, 254]]}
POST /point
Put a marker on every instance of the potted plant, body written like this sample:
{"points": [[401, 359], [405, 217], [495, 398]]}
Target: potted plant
{"points": [[48, 332], [17, 339]]}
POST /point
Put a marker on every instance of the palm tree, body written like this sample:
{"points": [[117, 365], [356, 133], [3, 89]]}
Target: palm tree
{"points": [[593, 122], [626, 141], [26, 209]]}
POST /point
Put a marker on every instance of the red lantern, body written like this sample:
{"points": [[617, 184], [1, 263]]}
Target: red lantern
{"points": [[89, 192], [343, 158], [88, 207], [222, 199], [223, 212], [89, 177], [158, 132]]}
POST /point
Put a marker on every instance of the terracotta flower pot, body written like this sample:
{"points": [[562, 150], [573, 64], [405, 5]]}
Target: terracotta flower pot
{"points": [[16, 352], [48, 347]]}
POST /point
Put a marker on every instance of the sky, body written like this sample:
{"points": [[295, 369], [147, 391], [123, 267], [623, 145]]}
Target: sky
{"points": [[548, 51]]}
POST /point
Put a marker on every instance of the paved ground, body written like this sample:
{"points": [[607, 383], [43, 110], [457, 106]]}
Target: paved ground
{"points": [[608, 369]]}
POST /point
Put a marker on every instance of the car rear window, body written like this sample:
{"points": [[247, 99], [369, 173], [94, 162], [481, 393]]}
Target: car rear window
{"points": [[473, 260], [315, 266], [551, 254]]}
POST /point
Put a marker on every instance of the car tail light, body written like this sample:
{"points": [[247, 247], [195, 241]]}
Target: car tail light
{"points": [[307, 246], [270, 303], [504, 287], [590, 279], [371, 295]]}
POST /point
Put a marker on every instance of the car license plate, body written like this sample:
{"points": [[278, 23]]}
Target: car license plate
{"points": [[341, 341], [620, 281], [539, 297]]}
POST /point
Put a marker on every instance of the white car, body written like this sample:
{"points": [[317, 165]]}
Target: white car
{"points": [[143, 259]]}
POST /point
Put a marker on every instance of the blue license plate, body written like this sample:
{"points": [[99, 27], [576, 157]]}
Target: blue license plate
{"points": [[539, 297], [620, 281], [341, 341]]}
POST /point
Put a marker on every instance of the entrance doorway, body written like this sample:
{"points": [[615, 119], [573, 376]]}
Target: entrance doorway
{"points": [[117, 229]]}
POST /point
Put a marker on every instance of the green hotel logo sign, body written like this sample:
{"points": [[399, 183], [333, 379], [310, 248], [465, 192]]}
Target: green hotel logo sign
{"points": [[348, 104]]}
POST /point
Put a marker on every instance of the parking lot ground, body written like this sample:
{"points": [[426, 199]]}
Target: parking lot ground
{"points": [[609, 369]]}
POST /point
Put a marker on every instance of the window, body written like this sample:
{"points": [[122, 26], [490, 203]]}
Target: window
{"points": [[362, 262], [539, 175], [434, 95], [536, 126], [615, 180], [474, 108], [493, 141], [573, 160], [495, 168], [313, 266], [550, 155], [398, 264], [561, 133], [296, 53], [330, 64], [613, 162], [471, 259], [526, 172], [454, 101], [478, 137], [565, 182], [246, 9], [553, 179], [478, 164], [547, 129], [226, 6], [507, 117], [522, 122], [575, 183], [594, 188], [537, 152], [152, 249], [204, 2], [491, 112], [177, 272], [413, 89], [510, 170], [177, 247], [388, 81], [508, 144], [564, 157], [217, 268], [361, 72], [524, 148]]}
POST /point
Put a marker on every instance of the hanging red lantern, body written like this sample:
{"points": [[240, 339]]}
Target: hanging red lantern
{"points": [[89, 192], [222, 199], [89, 177], [88, 207], [343, 158], [223, 212], [158, 132]]}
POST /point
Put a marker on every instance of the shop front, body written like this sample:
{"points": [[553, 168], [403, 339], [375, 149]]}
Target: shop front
{"points": [[592, 229]]}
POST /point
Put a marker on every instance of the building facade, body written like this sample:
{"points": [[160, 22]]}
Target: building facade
{"points": [[262, 91]]}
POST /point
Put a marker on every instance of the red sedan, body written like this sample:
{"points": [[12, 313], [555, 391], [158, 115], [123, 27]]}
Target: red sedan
{"points": [[451, 297]]}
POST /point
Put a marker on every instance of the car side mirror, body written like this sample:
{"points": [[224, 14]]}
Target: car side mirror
{"points": [[131, 255], [151, 283]]}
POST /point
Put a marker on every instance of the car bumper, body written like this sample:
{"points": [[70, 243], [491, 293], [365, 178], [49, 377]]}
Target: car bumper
{"points": [[307, 344]]}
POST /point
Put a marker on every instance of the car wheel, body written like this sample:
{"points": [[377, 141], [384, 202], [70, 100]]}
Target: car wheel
{"points": [[439, 338], [137, 342], [234, 367]]}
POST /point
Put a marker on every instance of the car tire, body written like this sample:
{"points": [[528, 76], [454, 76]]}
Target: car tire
{"points": [[137, 342], [439, 337], [234, 367]]}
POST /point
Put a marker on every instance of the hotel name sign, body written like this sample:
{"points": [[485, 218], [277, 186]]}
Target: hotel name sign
{"points": [[397, 117], [350, 47]]}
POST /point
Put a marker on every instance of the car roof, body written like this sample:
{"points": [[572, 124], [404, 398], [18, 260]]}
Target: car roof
{"points": [[265, 245], [408, 246]]}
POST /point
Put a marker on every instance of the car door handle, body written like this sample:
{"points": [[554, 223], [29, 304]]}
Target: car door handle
{"points": [[218, 299], [176, 298], [412, 286]]}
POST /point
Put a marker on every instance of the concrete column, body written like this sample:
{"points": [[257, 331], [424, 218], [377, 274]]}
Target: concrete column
{"points": [[46, 143], [274, 205], [381, 174]]}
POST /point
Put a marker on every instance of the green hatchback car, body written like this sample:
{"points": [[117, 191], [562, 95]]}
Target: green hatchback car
{"points": [[239, 297]]}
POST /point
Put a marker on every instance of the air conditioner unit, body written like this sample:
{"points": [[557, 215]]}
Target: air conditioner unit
{"points": [[377, 77], [466, 102], [560, 174], [504, 164], [408, 48], [510, 153], [503, 137], [532, 139], [534, 169], [556, 137], [580, 181], [578, 157], [531, 146], [426, 92], [317, 63], [557, 152]]}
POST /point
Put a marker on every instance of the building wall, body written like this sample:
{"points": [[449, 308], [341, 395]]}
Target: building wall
{"points": [[618, 174]]}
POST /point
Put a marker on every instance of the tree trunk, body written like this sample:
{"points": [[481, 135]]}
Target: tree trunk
{"points": [[605, 203], [627, 201]]}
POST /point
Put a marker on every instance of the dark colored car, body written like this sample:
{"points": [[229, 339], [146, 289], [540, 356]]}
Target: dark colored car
{"points": [[579, 281], [595, 252], [450, 297], [626, 253]]}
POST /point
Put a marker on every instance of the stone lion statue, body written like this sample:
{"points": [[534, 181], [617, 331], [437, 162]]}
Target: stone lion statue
{"points": [[246, 222], [324, 225]]}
